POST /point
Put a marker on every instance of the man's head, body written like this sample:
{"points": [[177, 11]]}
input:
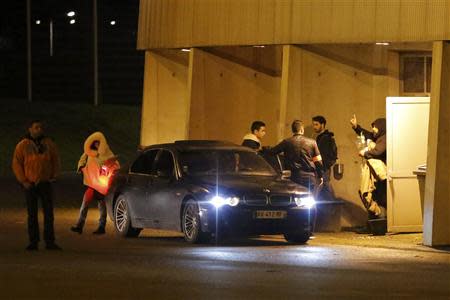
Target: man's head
{"points": [[258, 128], [318, 124], [379, 127], [297, 127], [36, 128]]}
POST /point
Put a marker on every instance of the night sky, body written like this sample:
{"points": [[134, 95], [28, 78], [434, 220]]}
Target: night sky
{"points": [[67, 75]]}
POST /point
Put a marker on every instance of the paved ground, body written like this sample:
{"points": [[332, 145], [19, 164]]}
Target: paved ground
{"points": [[160, 265]]}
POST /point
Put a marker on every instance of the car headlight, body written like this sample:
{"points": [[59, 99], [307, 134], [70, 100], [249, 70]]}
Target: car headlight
{"points": [[306, 201], [219, 201]]}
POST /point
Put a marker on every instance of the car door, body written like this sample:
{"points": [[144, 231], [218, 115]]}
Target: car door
{"points": [[139, 182], [165, 199]]}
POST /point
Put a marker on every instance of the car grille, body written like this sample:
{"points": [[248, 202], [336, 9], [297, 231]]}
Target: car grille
{"points": [[255, 200], [280, 200]]}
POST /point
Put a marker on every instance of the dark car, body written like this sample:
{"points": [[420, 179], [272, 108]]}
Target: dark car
{"points": [[205, 189]]}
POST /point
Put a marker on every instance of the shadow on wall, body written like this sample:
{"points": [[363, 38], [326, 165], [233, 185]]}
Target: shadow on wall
{"points": [[352, 213]]}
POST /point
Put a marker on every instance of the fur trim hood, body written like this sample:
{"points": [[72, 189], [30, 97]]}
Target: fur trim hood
{"points": [[103, 149], [251, 137]]}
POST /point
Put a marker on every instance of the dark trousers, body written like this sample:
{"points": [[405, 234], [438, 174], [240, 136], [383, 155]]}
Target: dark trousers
{"points": [[306, 179], [89, 195], [326, 192], [44, 192]]}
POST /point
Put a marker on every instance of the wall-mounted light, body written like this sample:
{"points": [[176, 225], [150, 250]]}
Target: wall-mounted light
{"points": [[71, 13], [259, 46], [112, 23], [185, 50], [38, 22], [72, 22], [382, 43]]}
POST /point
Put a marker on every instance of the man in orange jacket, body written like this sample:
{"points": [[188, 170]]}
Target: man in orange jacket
{"points": [[35, 165]]}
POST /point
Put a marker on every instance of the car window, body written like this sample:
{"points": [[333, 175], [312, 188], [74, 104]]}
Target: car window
{"points": [[143, 164], [164, 164], [232, 162]]}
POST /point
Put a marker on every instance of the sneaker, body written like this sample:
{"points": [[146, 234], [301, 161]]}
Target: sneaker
{"points": [[77, 229], [32, 247], [52, 246], [100, 230]]}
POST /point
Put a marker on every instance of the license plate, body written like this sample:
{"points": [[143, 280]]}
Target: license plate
{"points": [[270, 214]]}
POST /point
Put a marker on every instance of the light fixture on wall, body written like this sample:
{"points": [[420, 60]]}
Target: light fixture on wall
{"points": [[113, 22], [259, 46], [71, 13], [72, 22], [38, 22], [185, 50], [382, 43]]}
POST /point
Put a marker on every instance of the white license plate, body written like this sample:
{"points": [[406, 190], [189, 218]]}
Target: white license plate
{"points": [[271, 214]]}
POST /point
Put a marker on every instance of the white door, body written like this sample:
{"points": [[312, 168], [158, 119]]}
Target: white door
{"points": [[407, 139]]}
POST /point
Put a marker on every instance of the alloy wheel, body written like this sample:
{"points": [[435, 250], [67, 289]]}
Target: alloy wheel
{"points": [[190, 221], [121, 214]]}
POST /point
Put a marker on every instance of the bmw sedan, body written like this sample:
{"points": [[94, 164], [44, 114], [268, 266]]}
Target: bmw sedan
{"points": [[207, 189]]}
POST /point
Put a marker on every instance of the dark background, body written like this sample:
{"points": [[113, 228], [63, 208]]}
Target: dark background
{"points": [[68, 75]]}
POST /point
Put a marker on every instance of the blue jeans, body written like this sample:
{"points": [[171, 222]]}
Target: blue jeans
{"points": [[90, 195]]}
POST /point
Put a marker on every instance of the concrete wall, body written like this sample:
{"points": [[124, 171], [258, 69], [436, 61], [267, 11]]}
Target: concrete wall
{"points": [[226, 97], [193, 23], [337, 82], [165, 101], [205, 96]]}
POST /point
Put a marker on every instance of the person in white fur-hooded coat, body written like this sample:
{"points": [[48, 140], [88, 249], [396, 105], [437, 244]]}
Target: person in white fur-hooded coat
{"points": [[94, 159], [97, 164]]}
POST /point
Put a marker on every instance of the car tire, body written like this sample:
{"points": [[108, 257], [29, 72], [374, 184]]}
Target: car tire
{"points": [[122, 219], [299, 237], [191, 224]]}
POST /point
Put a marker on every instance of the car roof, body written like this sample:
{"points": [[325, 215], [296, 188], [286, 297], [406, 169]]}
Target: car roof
{"points": [[189, 145]]}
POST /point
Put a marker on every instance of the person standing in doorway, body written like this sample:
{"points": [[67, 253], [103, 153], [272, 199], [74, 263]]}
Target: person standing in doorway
{"points": [[302, 157], [97, 164], [253, 139], [328, 151], [35, 164], [373, 187]]}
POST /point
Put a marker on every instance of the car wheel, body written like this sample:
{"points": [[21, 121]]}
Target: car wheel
{"points": [[191, 223], [122, 220], [299, 237]]}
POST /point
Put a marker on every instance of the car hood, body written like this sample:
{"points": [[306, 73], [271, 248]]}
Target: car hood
{"points": [[240, 185]]}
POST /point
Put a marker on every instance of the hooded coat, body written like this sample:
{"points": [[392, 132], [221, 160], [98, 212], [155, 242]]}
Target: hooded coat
{"points": [[379, 151], [97, 165]]}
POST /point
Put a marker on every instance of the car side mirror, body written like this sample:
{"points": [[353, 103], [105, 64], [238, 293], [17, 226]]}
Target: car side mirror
{"points": [[286, 174]]}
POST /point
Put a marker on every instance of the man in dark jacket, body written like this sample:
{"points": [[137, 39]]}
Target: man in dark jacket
{"points": [[302, 157], [328, 150], [253, 139], [376, 148]]}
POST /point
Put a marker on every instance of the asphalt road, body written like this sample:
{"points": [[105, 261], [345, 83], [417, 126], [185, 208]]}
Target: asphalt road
{"points": [[160, 265]]}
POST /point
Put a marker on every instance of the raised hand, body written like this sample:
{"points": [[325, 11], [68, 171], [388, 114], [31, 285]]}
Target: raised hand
{"points": [[353, 121]]}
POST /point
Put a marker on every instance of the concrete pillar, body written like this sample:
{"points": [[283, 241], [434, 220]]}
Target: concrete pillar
{"points": [[165, 103], [436, 227]]}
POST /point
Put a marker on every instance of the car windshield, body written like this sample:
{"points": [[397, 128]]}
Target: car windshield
{"points": [[224, 162]]}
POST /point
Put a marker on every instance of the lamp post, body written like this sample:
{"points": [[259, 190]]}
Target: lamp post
{"points": [[51, 17]]}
